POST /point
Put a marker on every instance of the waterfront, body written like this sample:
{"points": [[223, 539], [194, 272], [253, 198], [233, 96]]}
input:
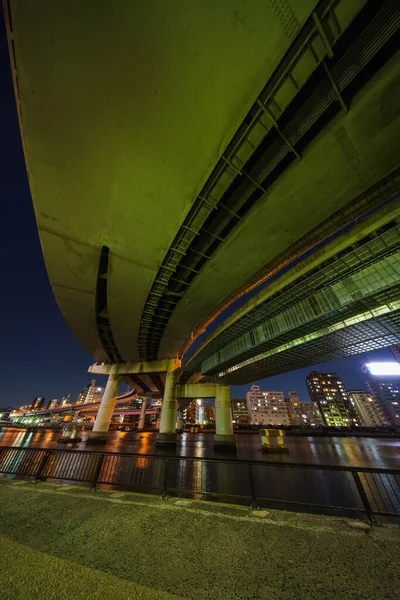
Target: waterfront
{"points": [[340, 451]]}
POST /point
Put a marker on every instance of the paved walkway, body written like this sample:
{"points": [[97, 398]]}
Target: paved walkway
{"points": [[61, 542]]}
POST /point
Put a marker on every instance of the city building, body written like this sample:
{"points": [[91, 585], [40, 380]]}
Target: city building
{"points": [[189, 412], [369, 410], [396, 352], [199, 412], [240, 414], [383, 379], [266, 408], [66, 400], [304, 413], [209, 412], [52, 403], [328, 391], [293, 397], [37, 403], [91, 393], [5, 413]]}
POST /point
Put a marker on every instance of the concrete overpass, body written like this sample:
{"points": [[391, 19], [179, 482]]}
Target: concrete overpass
{"points": [[122, 399], [181, 153], [343, 300], [92, 408]]}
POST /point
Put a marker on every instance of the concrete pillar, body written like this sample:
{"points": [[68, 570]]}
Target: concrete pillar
{"points": [[66, 434], [179, 422], [223, 437], [99, 432], [142, 414], [272, 441], [167, 435]]}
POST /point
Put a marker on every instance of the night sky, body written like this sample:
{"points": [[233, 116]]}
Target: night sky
{"points": [[39, 355]]}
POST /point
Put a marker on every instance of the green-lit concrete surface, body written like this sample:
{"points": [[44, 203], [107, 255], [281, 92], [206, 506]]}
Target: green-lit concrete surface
{"points": [[30, 574], [64, 541], [125, 113]]}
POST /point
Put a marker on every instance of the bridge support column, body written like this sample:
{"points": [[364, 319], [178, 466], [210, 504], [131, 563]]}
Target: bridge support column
{"points": [[142, 414], [223, 438], [99, 432], [179, 422], [167, 435]]}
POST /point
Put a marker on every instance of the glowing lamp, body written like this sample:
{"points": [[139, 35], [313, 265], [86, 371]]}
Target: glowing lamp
{"points": [[383, 368]]}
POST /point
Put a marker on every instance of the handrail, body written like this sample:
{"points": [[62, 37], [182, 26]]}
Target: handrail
{"points": [[299, 465], [372, 491]]}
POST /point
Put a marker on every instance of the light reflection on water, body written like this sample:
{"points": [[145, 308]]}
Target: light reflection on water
{"points": [[367, 452]]}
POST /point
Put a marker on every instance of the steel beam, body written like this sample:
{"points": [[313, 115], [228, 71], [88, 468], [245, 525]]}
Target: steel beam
{"points": [[129, 368]]}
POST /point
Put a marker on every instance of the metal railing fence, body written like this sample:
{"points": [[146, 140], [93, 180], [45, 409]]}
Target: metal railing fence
{"points": [[297, 486]]}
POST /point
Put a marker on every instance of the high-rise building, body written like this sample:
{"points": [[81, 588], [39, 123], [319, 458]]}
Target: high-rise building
{"points": [[66, 400], [266, 408], [304, 413], [396, 352], [199, 412], [91, 393], [52, 403], [369, 410], [37, 403], [383, 379], [327, 389], [189, 413], [209, 412], [293, 397], [240, 413]]}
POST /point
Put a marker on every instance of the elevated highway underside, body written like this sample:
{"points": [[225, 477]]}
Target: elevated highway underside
{"points": [[344, 301], [178, 153]]}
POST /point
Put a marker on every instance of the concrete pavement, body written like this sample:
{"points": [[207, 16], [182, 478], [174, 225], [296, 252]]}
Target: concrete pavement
{"points": [[61, 541]]}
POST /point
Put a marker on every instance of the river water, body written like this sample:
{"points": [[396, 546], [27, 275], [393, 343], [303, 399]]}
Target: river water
{"points": [[340, 451]]}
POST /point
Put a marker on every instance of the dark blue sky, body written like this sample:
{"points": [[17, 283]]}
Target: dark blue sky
{"points": [[38, 353]]}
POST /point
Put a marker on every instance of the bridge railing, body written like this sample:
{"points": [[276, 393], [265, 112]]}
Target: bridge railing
{"points": [[293, 486]]}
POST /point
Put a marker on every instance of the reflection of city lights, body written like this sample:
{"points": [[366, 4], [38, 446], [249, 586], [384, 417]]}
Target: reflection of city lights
{"points": [[142, 463], [144, 443]]}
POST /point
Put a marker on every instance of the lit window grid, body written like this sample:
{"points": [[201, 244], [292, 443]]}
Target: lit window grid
{"points": [[371, 335], [334, 269], [338, 296]]}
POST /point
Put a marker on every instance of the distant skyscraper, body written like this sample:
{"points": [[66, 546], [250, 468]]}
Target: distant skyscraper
{"points": [[240, 413], [293, 397], [66, 400], [369, 410], [266, 408], [396, 352], [189, 413], [209, 412], [52, 403], [303, 413], [327, 389], [37, 403], [383, 380], [199, 412], [91, 393]]}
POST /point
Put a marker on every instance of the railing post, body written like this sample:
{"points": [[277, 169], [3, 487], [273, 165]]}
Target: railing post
{"points": [[42, 466], [364, 499], [252, 488], [97, 472], [165, 484]]}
